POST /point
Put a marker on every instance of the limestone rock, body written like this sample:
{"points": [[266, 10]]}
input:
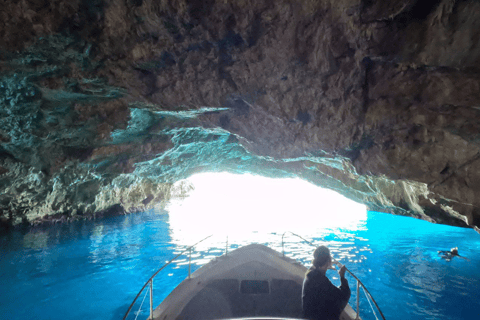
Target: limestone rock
{"points": [[105, 104]]}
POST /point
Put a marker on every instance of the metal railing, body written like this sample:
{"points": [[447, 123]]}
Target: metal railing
{"points": [[150, 281], [359, 283], [189, 249]]}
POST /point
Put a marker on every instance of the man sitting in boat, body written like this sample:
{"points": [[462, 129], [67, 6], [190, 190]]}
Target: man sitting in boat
{"points": [[320, 298]]}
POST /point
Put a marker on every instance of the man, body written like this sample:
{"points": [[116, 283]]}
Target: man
{"points": [[320, 298], [449, 255]]}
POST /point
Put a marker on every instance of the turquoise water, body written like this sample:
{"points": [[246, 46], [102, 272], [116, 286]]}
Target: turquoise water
{"points": [[94, 269]]}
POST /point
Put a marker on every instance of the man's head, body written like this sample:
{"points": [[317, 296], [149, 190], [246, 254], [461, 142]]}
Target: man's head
{"points": [[321, 257]]}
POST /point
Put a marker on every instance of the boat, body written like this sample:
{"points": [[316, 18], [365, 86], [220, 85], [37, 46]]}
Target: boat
{"points": [[250, 282]]}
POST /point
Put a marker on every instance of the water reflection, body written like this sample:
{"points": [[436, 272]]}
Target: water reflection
{"points": [[345, 248], [81, 266], [424, 279], [35, 240]]}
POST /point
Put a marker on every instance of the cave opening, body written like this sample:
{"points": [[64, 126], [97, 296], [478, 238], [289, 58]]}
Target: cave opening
{"points": [[235, 205]]}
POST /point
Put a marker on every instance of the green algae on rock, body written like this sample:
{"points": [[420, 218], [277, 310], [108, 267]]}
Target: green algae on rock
{"points": [[104, 105]]}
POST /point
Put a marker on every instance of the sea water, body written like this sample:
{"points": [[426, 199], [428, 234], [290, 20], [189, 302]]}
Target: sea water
{"points": [[94, 269]]}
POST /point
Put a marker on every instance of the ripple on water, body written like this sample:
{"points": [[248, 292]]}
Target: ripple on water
{"points": [[82, 266]]}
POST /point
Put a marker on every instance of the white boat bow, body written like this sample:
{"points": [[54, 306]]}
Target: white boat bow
{"points": [[251, 282]]}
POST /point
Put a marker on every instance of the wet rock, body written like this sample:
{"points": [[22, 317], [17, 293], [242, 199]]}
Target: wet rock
{"points": [[105, 104]]}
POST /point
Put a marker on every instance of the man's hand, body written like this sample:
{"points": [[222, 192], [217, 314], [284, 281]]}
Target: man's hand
{"points": [[341, 272]]}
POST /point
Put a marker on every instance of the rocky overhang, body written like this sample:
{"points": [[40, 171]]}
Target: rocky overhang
{"points": [[104, 105]]}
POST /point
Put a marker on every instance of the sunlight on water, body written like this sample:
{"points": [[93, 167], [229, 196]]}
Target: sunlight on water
{"points": [[96, 268], [247, 208]]}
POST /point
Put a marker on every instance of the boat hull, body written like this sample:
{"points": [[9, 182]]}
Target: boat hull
{"points": [[252, 281]]}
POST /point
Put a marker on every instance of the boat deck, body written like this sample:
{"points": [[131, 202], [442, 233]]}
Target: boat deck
{"points": [[252, 282], [231, 298]]}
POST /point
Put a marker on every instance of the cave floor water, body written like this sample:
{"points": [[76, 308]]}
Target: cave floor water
{"points": [[94, 269]]}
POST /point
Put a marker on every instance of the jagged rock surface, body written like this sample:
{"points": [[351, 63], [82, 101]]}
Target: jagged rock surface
{"points": [[105, 104]]}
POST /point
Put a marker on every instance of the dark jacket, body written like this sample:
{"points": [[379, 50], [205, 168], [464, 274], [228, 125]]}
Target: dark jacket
{"points": [[321, 299]]}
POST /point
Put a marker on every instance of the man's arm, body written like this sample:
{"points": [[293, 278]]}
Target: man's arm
{"points": [[344, 288]]}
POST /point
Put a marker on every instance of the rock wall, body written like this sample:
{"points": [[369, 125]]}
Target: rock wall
{"points": [[104, 104]]}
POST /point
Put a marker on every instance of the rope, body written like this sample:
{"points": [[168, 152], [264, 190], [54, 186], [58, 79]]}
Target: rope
{"points": [[139, 309]]}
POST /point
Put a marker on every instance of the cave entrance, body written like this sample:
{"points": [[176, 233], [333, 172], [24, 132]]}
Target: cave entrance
{"points": [[235, 205]]}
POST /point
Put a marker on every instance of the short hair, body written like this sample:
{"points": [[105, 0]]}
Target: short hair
{"points": [[321, 255]]}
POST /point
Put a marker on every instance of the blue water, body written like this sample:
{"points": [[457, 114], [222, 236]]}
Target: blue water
{"points": [[94, 269]]}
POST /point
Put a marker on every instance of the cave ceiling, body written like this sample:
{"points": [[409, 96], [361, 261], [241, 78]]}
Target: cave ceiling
{"points": [[104, 105]]}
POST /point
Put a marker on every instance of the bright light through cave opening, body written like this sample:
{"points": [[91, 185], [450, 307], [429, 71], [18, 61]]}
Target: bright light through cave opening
{"points": [[234, 204]]}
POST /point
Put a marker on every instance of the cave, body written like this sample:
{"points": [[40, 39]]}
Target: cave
{"points": [[105, 105]]}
